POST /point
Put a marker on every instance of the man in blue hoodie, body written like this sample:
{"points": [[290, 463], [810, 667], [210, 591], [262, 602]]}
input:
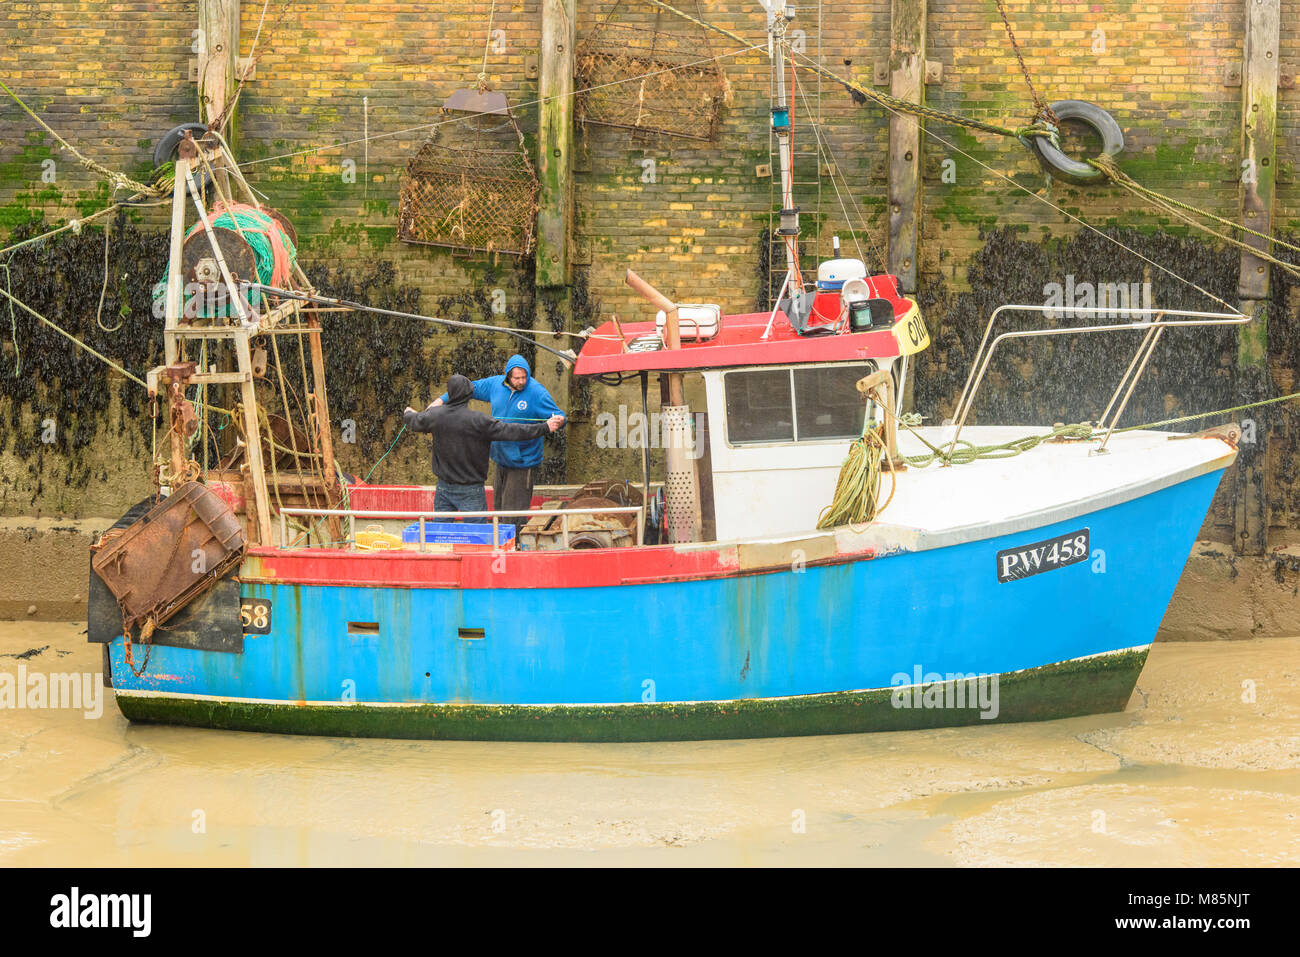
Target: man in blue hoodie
{"points": [[514, 397]]}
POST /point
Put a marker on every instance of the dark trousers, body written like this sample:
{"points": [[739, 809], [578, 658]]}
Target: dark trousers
{"points": [[512, 490], [450, 497]]}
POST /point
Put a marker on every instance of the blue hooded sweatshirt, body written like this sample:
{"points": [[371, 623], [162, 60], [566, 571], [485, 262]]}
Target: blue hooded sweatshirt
{"points": [[532, 403]]}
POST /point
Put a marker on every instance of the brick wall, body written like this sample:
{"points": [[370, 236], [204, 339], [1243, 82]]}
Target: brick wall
{"points": [[113, 76]]}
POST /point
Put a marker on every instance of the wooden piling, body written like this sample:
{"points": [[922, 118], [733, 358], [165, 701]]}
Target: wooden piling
{"points": [[555, 143], [218, 59], [907, 38], [1258, 175]]}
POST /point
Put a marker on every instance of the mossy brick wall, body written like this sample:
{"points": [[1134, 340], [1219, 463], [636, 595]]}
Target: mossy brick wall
{"points": [[112, 77], [1157, 68]]}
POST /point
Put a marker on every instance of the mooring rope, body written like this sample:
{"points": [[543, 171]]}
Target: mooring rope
{"points": [[115, 179], [13, 320], [63, 332]]}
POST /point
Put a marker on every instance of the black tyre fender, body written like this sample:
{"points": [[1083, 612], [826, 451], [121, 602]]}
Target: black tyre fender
{"points": [[164, 150], [1073, 171]]}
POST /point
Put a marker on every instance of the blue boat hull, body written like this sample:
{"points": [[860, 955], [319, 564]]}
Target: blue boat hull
{"points": [[848, 646]]}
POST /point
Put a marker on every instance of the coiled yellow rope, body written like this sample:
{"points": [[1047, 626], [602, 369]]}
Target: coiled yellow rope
{"points": [[857, 491]]}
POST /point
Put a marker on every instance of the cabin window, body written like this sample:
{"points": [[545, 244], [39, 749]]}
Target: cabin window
{"points": [[828, 403], [808, 404], [759, 406]]}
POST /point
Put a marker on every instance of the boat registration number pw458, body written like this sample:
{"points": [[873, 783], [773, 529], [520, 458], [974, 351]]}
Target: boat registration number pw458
{"points": [[1026, 560]]}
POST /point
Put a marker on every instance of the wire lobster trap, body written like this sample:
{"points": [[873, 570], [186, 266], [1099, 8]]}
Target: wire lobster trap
{"points": [[471, 185], [650, 80]]}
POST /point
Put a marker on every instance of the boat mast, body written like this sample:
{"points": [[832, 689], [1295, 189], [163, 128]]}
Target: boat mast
{"points": [[779, 16]]}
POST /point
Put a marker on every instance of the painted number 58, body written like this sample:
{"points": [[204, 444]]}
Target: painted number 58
{"points": [[255, 617]]}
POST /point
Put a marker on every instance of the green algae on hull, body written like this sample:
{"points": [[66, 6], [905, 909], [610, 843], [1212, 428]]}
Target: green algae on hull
{"points": [[1069, 689]]}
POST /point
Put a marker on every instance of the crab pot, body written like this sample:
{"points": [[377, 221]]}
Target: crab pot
{"points": [[681, 90], [468, 198]]}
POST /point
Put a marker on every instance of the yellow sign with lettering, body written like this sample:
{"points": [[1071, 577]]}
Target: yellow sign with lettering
{"points": [[911, 333]]}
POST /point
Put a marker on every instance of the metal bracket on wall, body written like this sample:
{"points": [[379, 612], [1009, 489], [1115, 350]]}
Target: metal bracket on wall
{"points": [[933, 73], [1285, 79], [247, 69]]}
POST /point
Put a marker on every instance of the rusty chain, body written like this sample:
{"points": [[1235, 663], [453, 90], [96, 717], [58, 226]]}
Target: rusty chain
{"points": [[1039, 103]]}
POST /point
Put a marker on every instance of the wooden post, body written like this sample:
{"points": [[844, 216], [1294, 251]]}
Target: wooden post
{"points": [[906, 81], [218, 58], [1259, 154], [175, 288], [555, 143], [555, 112]]}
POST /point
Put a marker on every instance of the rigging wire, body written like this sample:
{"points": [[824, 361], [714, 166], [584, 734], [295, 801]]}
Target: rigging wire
{"points": [[1078, 219], [900, 107], [823, 140], [568, 357]]}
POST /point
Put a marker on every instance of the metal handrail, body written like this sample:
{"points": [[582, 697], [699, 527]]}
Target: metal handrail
{"points": [[422, 516], [978, 368]]}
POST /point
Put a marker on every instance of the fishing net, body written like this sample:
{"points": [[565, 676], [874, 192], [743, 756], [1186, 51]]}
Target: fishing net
{"points": [[635, 75], [471, 186], [273, 249]]}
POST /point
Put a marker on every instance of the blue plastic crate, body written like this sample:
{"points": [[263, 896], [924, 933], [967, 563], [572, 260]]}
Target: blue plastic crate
{"points": [[458, 533]]}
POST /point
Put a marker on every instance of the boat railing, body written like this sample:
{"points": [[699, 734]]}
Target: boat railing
{"points": [[1155, 328], [422, 516]]}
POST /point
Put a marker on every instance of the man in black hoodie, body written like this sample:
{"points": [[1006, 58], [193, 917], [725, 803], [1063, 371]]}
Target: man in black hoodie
{"points": [[461, 441]]}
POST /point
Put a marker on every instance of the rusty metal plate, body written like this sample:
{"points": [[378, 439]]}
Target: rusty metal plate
{"points": [[175, 553]]}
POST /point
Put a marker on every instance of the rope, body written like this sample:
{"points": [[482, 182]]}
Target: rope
{"points": [[254, 58], [98, 355], [967, 452], [1106, 164], [99, 312], [13, 320], [856, 499], [487, 46], [1208, 415], [72, 224], [115, 179], [385, 455], [1039, 103]]}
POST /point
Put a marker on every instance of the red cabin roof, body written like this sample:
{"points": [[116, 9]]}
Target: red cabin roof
{"points": [[738, 343]]}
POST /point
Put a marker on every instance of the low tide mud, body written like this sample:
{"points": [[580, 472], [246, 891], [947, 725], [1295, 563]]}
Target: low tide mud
{"points": [[1203, 768]]}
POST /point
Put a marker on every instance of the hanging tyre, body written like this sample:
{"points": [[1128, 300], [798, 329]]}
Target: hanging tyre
{"points": [[1073, 171], [164, 150]]}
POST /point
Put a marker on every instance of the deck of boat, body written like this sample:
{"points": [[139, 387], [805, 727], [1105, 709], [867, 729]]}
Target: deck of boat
{"points": [[1055, 481]]}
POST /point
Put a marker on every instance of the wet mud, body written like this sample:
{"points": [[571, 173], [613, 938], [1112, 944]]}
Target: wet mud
{"points": [[1203, 768]]}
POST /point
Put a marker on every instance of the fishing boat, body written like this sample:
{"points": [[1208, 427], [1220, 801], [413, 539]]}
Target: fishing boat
{"points": [[721, 599]]}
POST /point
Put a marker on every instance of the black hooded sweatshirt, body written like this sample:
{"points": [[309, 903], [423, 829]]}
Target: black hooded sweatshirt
{"points": [[463, 437]]}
